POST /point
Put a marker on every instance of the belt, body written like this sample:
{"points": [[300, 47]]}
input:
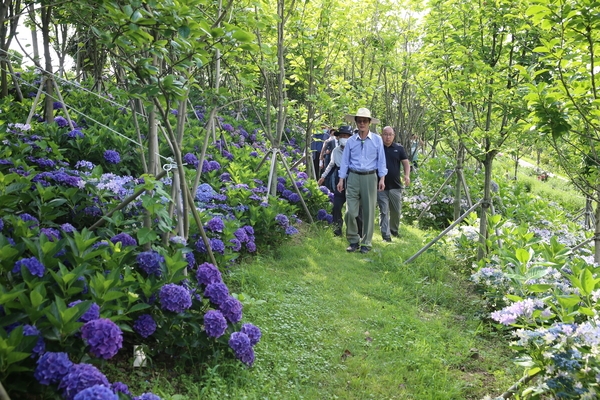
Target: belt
{"points": [[363, 172]]}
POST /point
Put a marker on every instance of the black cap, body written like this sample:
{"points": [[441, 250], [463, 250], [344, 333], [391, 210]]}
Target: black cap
{"points": [[344, 129]]}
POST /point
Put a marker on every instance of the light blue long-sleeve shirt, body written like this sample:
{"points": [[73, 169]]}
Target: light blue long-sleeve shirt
{"points": [[363, 155]]}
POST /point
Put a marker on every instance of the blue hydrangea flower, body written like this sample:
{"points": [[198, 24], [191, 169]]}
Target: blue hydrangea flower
{"points": [[91, 314], [207, 273], [28, 217], [294, 198], [103, 336], [236, 245], [231, 309], [240, 344], [34, 266], [321, 215], [75, 133], [291, 230], [191, 260], [251, 246], [120, 387], [112, 156], [96, 392], [40, 346], [249, 230], [216, 224], [282, 220], [68, 228], [147, 396], [174, 298], [57, 105], [1, 224], [51, 233], [80, 377], [61, 121], [150, 262], [191, 159], [253, 333], [217, 293], [52, 367], [214, 166], [215, 323], [125, 239], [217, 246], [144, 325], [227, 127], [84, 165], [241, 235]]}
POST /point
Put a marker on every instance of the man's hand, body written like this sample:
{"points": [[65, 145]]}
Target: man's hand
{"points": [[320, 181], [381, 186], [406, 180], [340, 185]]}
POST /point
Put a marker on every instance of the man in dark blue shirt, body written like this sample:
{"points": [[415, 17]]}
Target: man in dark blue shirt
{"points": [[390, 199], [316, 146]]}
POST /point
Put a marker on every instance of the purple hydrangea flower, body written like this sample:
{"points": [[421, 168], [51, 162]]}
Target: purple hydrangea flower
{"points": [[40, 346], [174, 298], [28, 217], [253, 332], [216, 224], [51, 233], [207, 273], [61, 121], [241, 235], [214, 166], [103, 336], [74, 134], [147, 396], [321, 215], [112, 156], [329, 218], [217, 293], [291, 230], [150, 262], [251, 247], [236, 245], [217, 246], [294, 198], [120, 387], [225, 177], [144, 325], [231, 309], [68, 228], [282, 220], [191, 260], [302, 175], [92, 211], [227, 127], [34, 266], [191, 159], [240, 344], [1, 224], [96, 392], [91, 314], [214, 323], [125, 239], [249, 230], [80, 377], [52, 367]]}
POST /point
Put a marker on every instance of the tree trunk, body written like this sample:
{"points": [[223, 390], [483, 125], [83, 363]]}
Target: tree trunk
{"points": [[486, 205], [460, 159], [597, 234], [46, 19]]}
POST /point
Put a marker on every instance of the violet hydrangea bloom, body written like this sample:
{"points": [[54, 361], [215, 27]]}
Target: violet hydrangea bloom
{"points": [[235, 245], [68, 228], [217, 293], [150, 262], [103, 336], [96, 392], [217, 246], [28, 217], [241, 235], [112, 156], [120, 387], [1, 224], [215, 323], [207, 273], [51, 233], [174, 298], [34, 266], [231, 309], [40, 346], [321, 215], [61, 121], [191, 159], [91, 314], [144, 325], [240, 344], [125, 239], [253, 333], [147, 396], [52, 367], [80, 377], [216, 224], [291, 230], [283, 220]]}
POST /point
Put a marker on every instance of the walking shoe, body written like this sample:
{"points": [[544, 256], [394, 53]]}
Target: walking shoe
{"points": [[395, 234], [387, 239], [353, 247], [365, 249]]}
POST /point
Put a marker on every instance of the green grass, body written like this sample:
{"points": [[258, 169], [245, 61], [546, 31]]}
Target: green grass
{"points": [[353, 326]]}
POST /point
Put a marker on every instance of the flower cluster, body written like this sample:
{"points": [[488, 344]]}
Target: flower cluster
{"points": [[144, 325], [40, 346], [174, 298], [112, 156], [520, 309], [96, 392], [150, 262], [216, 224], [207, 273], [91, 314], [103, 336], [52, 367], [241, 346], [191, 159], [217, 293], [231, 309], [214, 323], [33, 265], [80, 377], [125, 239]]}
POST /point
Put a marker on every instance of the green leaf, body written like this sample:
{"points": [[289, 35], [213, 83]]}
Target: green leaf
{"points": [[538, 288], [586, 311], [138, 307], [522, 255], [146, 235], [112, 295], [568, 301], [588, 283]]}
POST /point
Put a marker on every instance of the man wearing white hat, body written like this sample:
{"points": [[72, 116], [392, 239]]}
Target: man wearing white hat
{"points": [[363, 161]]}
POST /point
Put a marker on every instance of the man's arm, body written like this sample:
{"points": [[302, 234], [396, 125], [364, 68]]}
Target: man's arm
{"points": [[406, 166]]}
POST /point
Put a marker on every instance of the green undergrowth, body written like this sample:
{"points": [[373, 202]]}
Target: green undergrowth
{"points": [[351, 326]]}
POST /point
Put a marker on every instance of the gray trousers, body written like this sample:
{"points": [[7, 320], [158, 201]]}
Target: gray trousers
{"points": [[361, 195], [390, 209]]}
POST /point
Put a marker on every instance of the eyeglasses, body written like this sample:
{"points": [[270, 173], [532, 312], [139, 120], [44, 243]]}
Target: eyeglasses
{"points": [[387, 134], [363, 121]]}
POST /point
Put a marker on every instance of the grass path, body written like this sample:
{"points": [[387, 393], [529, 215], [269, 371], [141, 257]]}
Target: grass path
{"points": [[352, 326]]}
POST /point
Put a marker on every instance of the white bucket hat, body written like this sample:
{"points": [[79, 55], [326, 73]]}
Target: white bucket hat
{"points": [[362, 112]]}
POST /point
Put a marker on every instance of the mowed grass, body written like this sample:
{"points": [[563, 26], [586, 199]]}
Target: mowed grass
{"points": [[352, 326]]}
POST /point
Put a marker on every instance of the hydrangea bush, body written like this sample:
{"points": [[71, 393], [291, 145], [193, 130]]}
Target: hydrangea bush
{"points": [[75, 289]]}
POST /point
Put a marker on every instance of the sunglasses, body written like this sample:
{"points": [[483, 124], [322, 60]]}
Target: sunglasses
{"points": [[363, 120]]}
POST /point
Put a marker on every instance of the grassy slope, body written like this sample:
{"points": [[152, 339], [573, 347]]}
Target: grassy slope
{"points": [[353, 326]]}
